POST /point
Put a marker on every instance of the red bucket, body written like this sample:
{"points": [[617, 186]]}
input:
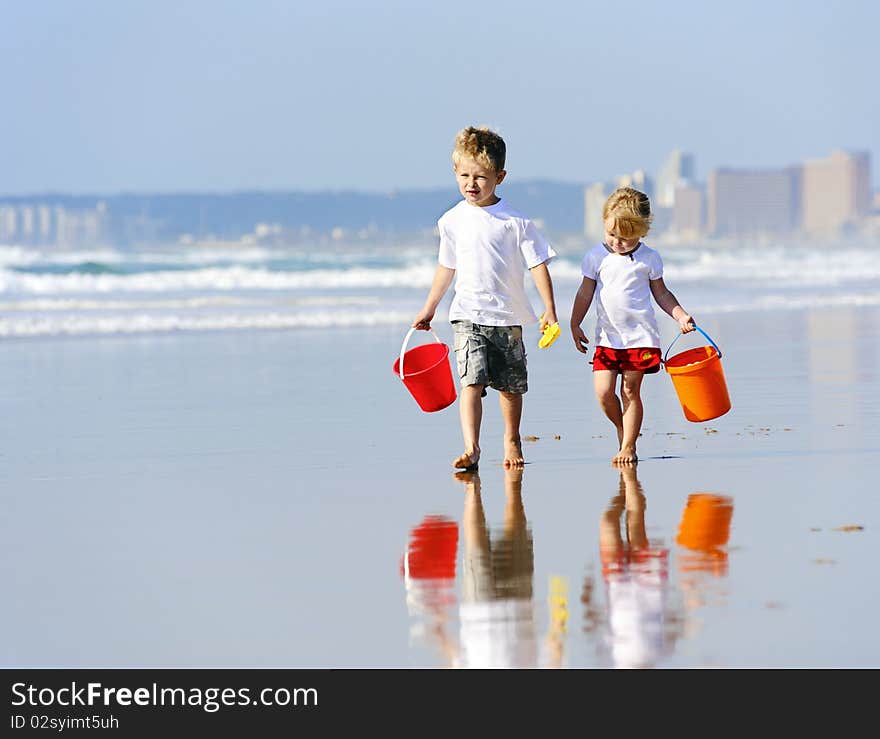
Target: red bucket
{"points": [[432, 550], [426, 373]]}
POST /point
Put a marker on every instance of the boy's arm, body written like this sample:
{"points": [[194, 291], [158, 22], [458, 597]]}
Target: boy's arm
{"points": [[579, 309], [541, 276], [668, 302], [442, 280]]}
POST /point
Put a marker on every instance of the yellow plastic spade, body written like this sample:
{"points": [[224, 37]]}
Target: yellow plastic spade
{"points": [[551, 333]]}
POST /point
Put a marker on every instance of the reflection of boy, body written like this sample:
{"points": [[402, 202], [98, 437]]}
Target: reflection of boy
{"points": [[496, 610], [487, 246]]}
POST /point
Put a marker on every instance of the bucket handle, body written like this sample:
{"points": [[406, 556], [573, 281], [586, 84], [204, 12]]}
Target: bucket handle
{"points": [[406, 341], [702, 332]]}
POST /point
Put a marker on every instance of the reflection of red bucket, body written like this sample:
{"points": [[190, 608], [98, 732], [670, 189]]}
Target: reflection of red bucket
{"points": [[426, 374], [699, 382], [432, 550]]}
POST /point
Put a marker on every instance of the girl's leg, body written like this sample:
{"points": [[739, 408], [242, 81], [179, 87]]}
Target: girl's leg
{"points": [[630, 392], [511, 412], [470, 408], [603, 383]]}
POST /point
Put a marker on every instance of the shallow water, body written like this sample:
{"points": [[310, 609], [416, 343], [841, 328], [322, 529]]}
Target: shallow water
{"points": [[248, 500]]}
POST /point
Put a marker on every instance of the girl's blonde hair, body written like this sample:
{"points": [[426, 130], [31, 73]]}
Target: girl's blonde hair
{"points": [[482, 145], [630, 212]]}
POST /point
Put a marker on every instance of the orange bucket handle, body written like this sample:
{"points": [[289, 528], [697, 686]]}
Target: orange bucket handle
{"points": [[681, 334]]}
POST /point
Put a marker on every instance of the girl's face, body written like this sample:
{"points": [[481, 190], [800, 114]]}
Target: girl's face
{"points": [[618, 244], [477, 183]]}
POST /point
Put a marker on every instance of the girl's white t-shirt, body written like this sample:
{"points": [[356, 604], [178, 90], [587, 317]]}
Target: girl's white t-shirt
{"points": [[624, 308], [490, 248]]}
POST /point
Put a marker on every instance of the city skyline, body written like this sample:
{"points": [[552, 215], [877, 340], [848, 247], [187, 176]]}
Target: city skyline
{"points": [[154, 97], [820, 197]]}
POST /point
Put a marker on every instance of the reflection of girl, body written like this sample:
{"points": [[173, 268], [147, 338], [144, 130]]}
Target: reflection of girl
{"points": [[636, 578]]}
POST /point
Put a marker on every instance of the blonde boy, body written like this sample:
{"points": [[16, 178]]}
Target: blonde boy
{"points": [[486, 247], [623, 274]]}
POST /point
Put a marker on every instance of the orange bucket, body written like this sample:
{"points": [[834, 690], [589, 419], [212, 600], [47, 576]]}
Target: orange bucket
{"points": [[698, 379], [705, 530], [426, 373], [705, 522]]}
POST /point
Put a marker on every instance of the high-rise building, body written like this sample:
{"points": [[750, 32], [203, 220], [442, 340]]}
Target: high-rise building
{"points": [[752, 202], [45, 232], [27, 223], [677, 169], [595, 196], [8, 223], [836, 191], [689, 211], [639, 180]]}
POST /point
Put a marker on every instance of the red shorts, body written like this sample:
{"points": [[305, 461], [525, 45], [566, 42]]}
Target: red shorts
{"points": [[645, 360]]}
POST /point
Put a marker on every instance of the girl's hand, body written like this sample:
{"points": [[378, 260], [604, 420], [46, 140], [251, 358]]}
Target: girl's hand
{"points": [[687, 323], [580, 339]]}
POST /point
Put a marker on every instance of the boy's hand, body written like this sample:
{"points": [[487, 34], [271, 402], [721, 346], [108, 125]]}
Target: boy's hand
{"points": [[548, 318], [687, 323], [422, 321], [580, 339]]}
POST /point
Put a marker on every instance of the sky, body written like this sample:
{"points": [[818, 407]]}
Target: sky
{"points": [[105, 97]]}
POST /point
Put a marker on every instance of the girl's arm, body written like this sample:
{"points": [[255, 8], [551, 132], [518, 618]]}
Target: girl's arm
{"points": [[442, 280], [579, 309], [668, 302]]}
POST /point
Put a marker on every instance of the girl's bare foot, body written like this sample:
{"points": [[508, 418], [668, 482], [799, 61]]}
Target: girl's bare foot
{"points": [[513, 456], [626, 455], [468, 461]]}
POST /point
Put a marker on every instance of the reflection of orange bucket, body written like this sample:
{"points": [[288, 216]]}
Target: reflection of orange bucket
{"points": [[426, 373], [699, 381], [705, 522]]}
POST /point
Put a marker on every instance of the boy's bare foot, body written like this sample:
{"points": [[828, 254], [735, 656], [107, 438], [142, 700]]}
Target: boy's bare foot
{"points": [[626, 455], [469, 461], [513, 456], [467, 476]]}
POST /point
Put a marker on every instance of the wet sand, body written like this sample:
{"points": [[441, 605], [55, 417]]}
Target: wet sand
{"points": [[246, 500]]}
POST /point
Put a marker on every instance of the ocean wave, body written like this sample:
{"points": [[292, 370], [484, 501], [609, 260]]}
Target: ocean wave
{"points": [[128, 318], [213, 279], [146, 323], [212, 301]]}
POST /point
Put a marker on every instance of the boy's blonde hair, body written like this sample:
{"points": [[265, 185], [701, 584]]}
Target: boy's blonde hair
{"points": [[630, 211], [482, 145]]}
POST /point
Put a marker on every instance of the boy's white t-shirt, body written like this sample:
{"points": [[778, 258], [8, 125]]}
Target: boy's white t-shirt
{"points": [[624, 309], [490, 248]]}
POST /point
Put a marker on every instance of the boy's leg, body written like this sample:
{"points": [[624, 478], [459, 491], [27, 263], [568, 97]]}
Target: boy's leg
{"points": [[604, 382], [470, 408], [511, 412], [630, 393]]}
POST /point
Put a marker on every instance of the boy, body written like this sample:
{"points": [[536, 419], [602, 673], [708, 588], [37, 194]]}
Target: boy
{"points": [[623, 274], [487, 247]]}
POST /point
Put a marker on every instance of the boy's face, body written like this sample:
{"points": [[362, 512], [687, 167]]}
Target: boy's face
{"points": [[618, 244], [477, 183]]}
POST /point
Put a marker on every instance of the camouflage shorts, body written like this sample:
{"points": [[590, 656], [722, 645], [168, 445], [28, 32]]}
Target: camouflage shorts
{"points": [[490, 355]]}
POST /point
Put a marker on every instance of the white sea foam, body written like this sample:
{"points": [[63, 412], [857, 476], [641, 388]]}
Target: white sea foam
{"points": [[212, 301], [141, 323], [212, 279], [107, 291]]}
